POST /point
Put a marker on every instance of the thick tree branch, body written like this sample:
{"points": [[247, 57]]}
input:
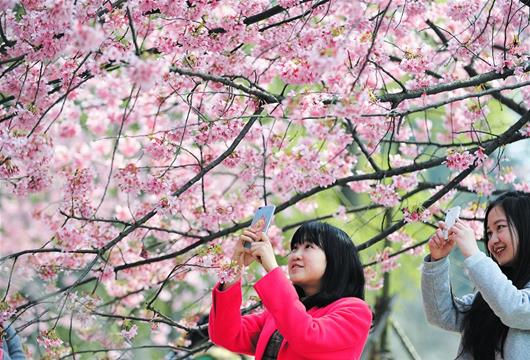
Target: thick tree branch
{"points": [[507, 137], [123, 234], [266, 97], [492, 91], [518, 108], [488, 146], [396, 98]]}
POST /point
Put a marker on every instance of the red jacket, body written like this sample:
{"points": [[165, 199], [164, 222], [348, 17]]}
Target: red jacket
{"points": [[337, 331]]}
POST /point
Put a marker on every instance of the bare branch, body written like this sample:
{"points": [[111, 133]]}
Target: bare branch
{"points": [[396, 98]]}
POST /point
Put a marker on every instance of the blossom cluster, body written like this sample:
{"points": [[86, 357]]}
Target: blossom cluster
{"points": [[135, 136]]}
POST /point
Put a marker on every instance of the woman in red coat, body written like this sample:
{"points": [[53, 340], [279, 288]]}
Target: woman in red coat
{"points": [[318, 314]]}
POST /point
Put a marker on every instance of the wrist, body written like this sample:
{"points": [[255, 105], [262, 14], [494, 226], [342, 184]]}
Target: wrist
{"points": [[271, 267], [228, 284], [436, 258], [470, 252]]}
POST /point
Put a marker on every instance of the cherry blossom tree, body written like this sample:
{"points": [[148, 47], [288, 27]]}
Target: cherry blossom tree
{"points": [[138, 137]]}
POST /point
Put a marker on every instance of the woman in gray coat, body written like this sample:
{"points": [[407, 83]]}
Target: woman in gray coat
{"points": [[10, 346], [495, 321]]}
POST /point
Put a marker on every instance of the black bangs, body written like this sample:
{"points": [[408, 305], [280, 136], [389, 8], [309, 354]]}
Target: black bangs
{"points": [[344, 276], [310, 232]]}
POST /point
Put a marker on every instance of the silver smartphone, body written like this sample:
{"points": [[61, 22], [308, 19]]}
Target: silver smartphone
{"points": [[450, 218]]}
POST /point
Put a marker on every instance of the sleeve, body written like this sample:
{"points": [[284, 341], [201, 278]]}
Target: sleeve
{"points": [[13, 345], [347, 323], [227, 328], [510, 304], [441, 308]]}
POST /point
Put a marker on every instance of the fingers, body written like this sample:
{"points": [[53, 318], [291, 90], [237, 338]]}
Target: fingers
{"points": [[251, 234], [462, 226], [244, 254], [260, 249], [246, 241], [462, 233], [248, 237], [432, 243], [459, 228], [263, 237], [442, 225], [450, 242], [263, 252], [445, 231], [438, 238], [257, 249], [253, 246]]}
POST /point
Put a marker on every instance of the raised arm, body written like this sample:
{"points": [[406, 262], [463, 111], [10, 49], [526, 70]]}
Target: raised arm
{"points": [[510, 304], [227, 327], [13, 345], [441, 308]]}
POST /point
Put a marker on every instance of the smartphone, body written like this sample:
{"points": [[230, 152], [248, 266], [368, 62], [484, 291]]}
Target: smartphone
{"points": [[262, 220], [450, 218]]}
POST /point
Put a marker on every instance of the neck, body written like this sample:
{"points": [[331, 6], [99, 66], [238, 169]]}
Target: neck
{"points": [[310, 291]]}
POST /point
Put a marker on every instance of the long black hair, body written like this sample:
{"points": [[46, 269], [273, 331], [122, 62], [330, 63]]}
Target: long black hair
{"points": [[483, 331], [344, 276]]}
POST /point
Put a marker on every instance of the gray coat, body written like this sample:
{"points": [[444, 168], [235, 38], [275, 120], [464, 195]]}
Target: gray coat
{"points": [[11, 346], [510, 304]]}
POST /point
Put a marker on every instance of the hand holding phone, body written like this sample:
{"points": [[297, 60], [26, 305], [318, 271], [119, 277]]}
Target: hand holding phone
{"points": [[450, 218], [261, 221]]}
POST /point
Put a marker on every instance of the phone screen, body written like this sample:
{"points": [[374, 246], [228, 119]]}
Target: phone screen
{"points": [[261, 221], [450, 218], [263, 218]]}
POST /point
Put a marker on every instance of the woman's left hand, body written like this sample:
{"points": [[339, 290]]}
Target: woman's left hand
{"points": [[263, 252], [465, 238]]}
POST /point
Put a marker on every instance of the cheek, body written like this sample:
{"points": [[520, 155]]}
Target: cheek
{"points": [[290, 261], [322, 270], [322, 264], [515, 245]]}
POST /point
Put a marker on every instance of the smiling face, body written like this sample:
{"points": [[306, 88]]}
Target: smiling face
{"points": [[307, 264], [501, 244]]}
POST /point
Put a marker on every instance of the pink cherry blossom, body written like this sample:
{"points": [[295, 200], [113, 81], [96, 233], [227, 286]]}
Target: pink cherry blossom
{"points": [[297, 71], [6, 311], [130, 334], [373, 281], [417, 215], [127, 178], [385, 195], [459, 161], [387, 262], [49, 339], [479, 184], [137, 138], [508, 177], [87, 38], [143, 74]]}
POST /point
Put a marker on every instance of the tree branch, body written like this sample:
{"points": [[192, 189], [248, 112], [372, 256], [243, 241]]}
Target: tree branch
{"points": [[266, 97], [507, 137]]}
